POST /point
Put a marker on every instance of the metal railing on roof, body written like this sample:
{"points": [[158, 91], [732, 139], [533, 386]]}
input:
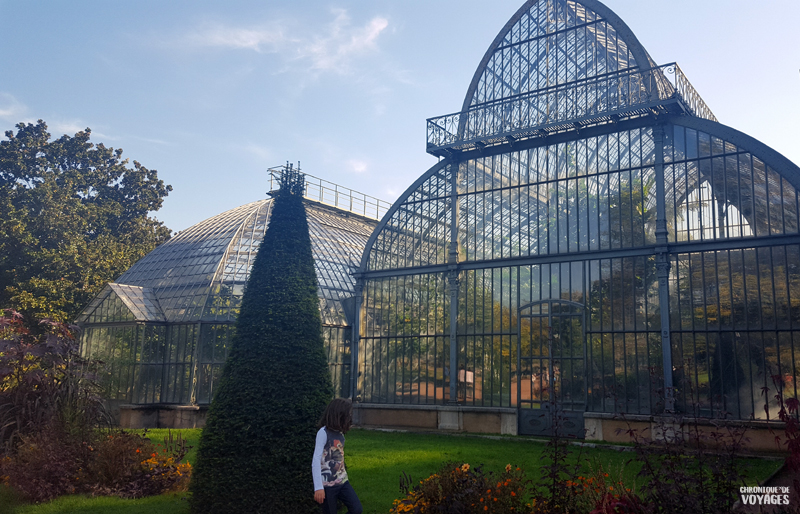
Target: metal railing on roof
{"points": [[690, 96], [577, 104], [341, 197]]}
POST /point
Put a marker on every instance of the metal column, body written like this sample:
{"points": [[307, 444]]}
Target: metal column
{"points": [[452, 281], [355, 336], [662, 267]]}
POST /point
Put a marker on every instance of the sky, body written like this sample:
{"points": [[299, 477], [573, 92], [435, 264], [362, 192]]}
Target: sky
{"points": [[212, 94]]}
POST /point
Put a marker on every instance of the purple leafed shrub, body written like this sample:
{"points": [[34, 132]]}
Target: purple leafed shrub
{"points": [[54, 435], [44, 382]]}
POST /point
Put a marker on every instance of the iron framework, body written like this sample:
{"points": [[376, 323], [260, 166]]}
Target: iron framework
{"points": [[570, 106], [579, 171]]}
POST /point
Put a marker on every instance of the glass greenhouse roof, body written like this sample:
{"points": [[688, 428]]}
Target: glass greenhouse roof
{"points": [[200, 274], [561, 66]]}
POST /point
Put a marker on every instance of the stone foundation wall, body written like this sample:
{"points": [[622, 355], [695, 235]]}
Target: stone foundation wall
{"points": [[759, 437], [485, 420], [162, 416]]}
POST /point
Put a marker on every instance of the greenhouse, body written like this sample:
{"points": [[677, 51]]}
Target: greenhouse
{"points": [[592, 243], [591, 238], [164, 326]]}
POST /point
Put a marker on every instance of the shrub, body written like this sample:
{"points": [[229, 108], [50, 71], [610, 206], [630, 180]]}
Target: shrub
{"points": [[788, 409], [619, 504], [48, 464], [787, 413], [45, 466], [688, 467], [599, 493], [556, 489], [50, 407], [459, 488], [255, 450], [45, 383], [116, 461], [162, 471], [50, 413], [129, 465]]}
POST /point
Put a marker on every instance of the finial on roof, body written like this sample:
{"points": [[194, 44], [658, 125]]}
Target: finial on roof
{"points": [[290, 179]]}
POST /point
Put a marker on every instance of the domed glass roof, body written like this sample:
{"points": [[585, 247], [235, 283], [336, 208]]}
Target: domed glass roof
{"points": [[200, 274]]}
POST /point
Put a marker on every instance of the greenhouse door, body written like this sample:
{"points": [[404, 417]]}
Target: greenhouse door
{"points": [[551, 349]]}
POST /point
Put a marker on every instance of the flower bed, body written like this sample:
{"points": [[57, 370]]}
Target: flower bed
{"points": [[463, 489]]}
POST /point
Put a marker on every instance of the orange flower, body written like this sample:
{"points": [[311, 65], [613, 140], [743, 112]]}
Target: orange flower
{"points": [[508, 468], [513, 493]]}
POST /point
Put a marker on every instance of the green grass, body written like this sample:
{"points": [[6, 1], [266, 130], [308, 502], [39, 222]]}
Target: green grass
{"points": [[375, 461], [165, 504]]}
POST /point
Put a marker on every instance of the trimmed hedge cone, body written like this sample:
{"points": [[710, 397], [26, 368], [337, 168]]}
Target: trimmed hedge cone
{"points": [[255, 451]]}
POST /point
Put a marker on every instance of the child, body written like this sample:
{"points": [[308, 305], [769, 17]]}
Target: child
{"points": [[330, 475]]}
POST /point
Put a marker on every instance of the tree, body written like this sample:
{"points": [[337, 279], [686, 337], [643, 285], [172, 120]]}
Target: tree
{"points": [[74, 217], [255, 450]]}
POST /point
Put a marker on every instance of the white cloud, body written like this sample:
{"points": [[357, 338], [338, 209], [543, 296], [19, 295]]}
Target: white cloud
{"points": [[58, 128], [262, 153], [332, 49], [70, 128], [357, 166], [259, 39], [11, 109], [152, 140]]}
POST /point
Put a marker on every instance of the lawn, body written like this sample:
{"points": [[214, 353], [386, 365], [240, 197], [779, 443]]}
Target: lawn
{"points": [[375, 461]]}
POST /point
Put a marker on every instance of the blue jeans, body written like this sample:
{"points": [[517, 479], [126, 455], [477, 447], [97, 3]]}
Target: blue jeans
{"points": [[346, 494]]}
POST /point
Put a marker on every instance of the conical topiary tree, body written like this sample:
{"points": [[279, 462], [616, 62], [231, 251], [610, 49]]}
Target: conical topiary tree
{"points": [[255, 451]]}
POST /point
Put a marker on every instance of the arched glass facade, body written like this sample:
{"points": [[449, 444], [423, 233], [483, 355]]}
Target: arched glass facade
{"points": [[164, 327], [590, 225]]}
